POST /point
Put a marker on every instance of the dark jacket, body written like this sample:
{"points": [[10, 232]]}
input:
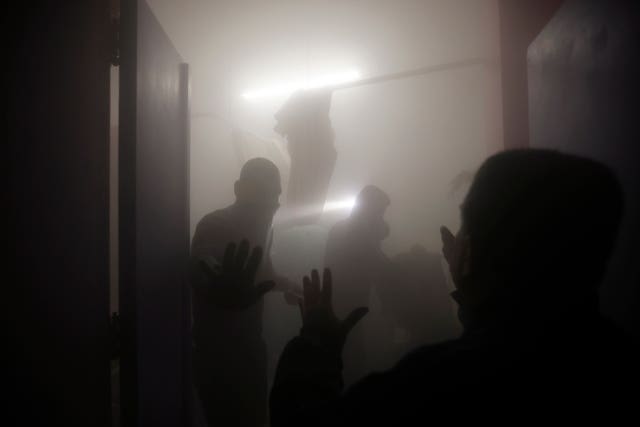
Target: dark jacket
{"points": [[576, 370]]}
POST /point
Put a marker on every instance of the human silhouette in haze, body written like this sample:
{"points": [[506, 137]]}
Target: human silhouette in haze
{"points": [[354, 254], [537, 230], [229, 356]]}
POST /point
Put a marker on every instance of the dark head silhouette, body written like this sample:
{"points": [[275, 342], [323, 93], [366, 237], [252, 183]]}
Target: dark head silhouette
{"points": [[372, 199], [541, 226], [538, 228], [259, 185], [369, 210]]}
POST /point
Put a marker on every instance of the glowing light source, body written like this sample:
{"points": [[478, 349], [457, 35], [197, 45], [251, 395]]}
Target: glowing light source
{"points": [[340, 204], [313, 83], [293, 215]]}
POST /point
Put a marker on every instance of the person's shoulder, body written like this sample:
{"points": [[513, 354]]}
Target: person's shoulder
{"points": [[428, 373], [220, 217], [452, 351], [213, 232], [432, 361]]}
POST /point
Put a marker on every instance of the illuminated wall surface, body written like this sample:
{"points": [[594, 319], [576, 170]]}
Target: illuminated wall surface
{"points": [[418, 138], [411, 137]]}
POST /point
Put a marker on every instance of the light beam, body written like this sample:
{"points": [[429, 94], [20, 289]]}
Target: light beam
{"points": [[317, 82]]}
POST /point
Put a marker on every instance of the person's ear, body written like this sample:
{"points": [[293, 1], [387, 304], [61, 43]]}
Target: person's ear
{"points": [[448, 243], [457, 252], [465, 255]]}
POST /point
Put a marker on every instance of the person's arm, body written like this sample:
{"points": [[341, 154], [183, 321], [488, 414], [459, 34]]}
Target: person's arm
{"points": [[292, 290], [309, 373], [283, 284], [206, 246]]}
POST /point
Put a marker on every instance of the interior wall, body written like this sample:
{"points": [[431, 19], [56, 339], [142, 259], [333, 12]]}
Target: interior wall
{"points": [[520, 23], [410, 137], [215, 166], [583, 89]]}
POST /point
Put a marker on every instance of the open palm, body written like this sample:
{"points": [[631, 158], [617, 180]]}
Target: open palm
{"points": [[231, 285], [319, 323]]}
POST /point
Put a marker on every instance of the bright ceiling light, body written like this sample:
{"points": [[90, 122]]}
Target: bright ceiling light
{"points": [[313, 83]]}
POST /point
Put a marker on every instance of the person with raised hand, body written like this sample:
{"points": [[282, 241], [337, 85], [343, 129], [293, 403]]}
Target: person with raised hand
{"points": [[536, 234], [313, 360], [229, 351], [320, 326], [231, 284]]}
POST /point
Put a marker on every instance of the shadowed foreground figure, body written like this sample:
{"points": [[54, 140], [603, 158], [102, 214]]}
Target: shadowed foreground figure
{"points": [[229, 355], [537, 229]]}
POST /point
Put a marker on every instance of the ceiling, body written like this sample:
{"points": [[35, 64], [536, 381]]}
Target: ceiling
{"points": [[233, 45]]}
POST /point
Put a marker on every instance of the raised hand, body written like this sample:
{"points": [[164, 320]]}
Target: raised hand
{"points": [[319, 323], [231, 285]]}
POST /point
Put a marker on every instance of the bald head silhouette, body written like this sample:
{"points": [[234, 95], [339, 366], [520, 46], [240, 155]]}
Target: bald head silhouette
{"points": [[259, 184], [368, 213], [372, 199]]}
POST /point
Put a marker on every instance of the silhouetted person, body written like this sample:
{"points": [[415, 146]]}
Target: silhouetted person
{"points": [[230, 364], [537, 230], [354, 254]]}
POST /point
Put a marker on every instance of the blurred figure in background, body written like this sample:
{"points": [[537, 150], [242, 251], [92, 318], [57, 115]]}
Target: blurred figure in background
{"points": [[353, 252]]}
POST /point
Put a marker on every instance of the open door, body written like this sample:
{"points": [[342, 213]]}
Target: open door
{"points": [[154, 223]]}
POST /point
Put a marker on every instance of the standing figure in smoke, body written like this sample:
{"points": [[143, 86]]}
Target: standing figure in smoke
{"points": [[304, 121], [230, 361], [354, 254]]}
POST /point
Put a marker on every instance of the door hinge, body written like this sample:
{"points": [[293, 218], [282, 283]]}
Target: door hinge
{"points": [[114, 336]]}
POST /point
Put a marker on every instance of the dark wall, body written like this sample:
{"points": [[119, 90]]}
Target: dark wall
{"points": [[584, 72], [520, 22], [56, 285]]}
